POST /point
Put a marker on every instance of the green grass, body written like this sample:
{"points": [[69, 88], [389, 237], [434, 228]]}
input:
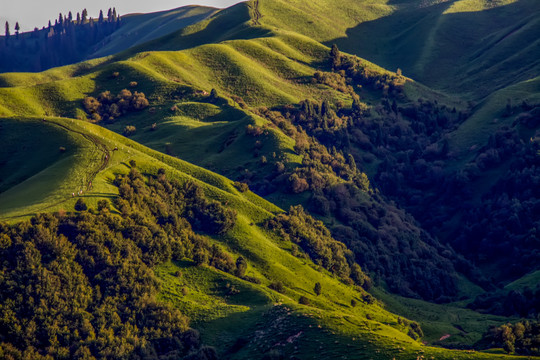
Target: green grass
{"points": [[51, 188], [451, 46], [267, 65], [465, 326], [530, 280]]}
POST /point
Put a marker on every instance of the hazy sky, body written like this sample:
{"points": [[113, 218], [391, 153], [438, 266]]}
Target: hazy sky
{"points": [[32, 13]]}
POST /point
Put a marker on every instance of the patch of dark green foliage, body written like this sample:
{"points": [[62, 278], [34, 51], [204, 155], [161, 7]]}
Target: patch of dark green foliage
{"points": [[82, 285]]}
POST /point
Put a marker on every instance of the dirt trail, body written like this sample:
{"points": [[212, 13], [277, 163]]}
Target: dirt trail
{"points": [[257, 14], [92, 171], [101, 147]]}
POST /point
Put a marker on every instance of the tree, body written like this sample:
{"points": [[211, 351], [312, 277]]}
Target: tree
{"points": [[213, 95], [318, 288], [91, 104], [84, 16], [241, 267], [351, 162], [100, 19], [17, 28], [7, 32], [335, 56]]}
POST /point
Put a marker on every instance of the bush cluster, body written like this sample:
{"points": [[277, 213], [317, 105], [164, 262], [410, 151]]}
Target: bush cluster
{"points": [[108, 107]]}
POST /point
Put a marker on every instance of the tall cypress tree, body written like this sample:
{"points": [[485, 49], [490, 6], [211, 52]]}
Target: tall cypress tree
{"points": [[7, 33], [335, 56]]}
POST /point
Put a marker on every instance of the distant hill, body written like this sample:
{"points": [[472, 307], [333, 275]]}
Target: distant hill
{"points": [[139, 28], [70, 40]]}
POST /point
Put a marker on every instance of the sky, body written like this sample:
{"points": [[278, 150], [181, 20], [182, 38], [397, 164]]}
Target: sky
{"points": [[37, 13]]}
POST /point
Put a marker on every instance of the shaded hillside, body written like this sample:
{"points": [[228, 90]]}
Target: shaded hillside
{"points": [[455, 46], [139, 28]]}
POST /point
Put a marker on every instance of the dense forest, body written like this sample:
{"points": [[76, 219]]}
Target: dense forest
{"points": [[407, 141], [81, 285], [332, 139], [69, 40]]}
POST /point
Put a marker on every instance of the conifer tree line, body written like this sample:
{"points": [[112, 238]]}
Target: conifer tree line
{"points": [[71, 38]]}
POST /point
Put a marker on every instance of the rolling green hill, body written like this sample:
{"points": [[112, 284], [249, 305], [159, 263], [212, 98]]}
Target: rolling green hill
{"points": [[252, 97], [252, 308], [451, 45]]}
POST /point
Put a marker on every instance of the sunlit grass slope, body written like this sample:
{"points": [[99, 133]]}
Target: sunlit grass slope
{"points": [[90, 156]]}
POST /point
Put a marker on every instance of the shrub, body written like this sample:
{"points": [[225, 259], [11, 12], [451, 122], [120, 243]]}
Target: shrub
{"points": [[133, 84], [91, 104], [303, 300], [139, 101], [241, 267], [252, 279], [103, 205], [277, 286], [241, 186], [129, 130]]}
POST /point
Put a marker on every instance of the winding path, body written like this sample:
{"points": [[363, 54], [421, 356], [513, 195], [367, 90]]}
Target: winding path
{"points": [[257, 14], [100, 145], [89, 175]]}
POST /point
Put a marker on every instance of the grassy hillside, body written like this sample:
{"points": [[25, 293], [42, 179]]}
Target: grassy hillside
{"points": [[269, 258], [473, 61], [446, 45], [260, 58]]}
